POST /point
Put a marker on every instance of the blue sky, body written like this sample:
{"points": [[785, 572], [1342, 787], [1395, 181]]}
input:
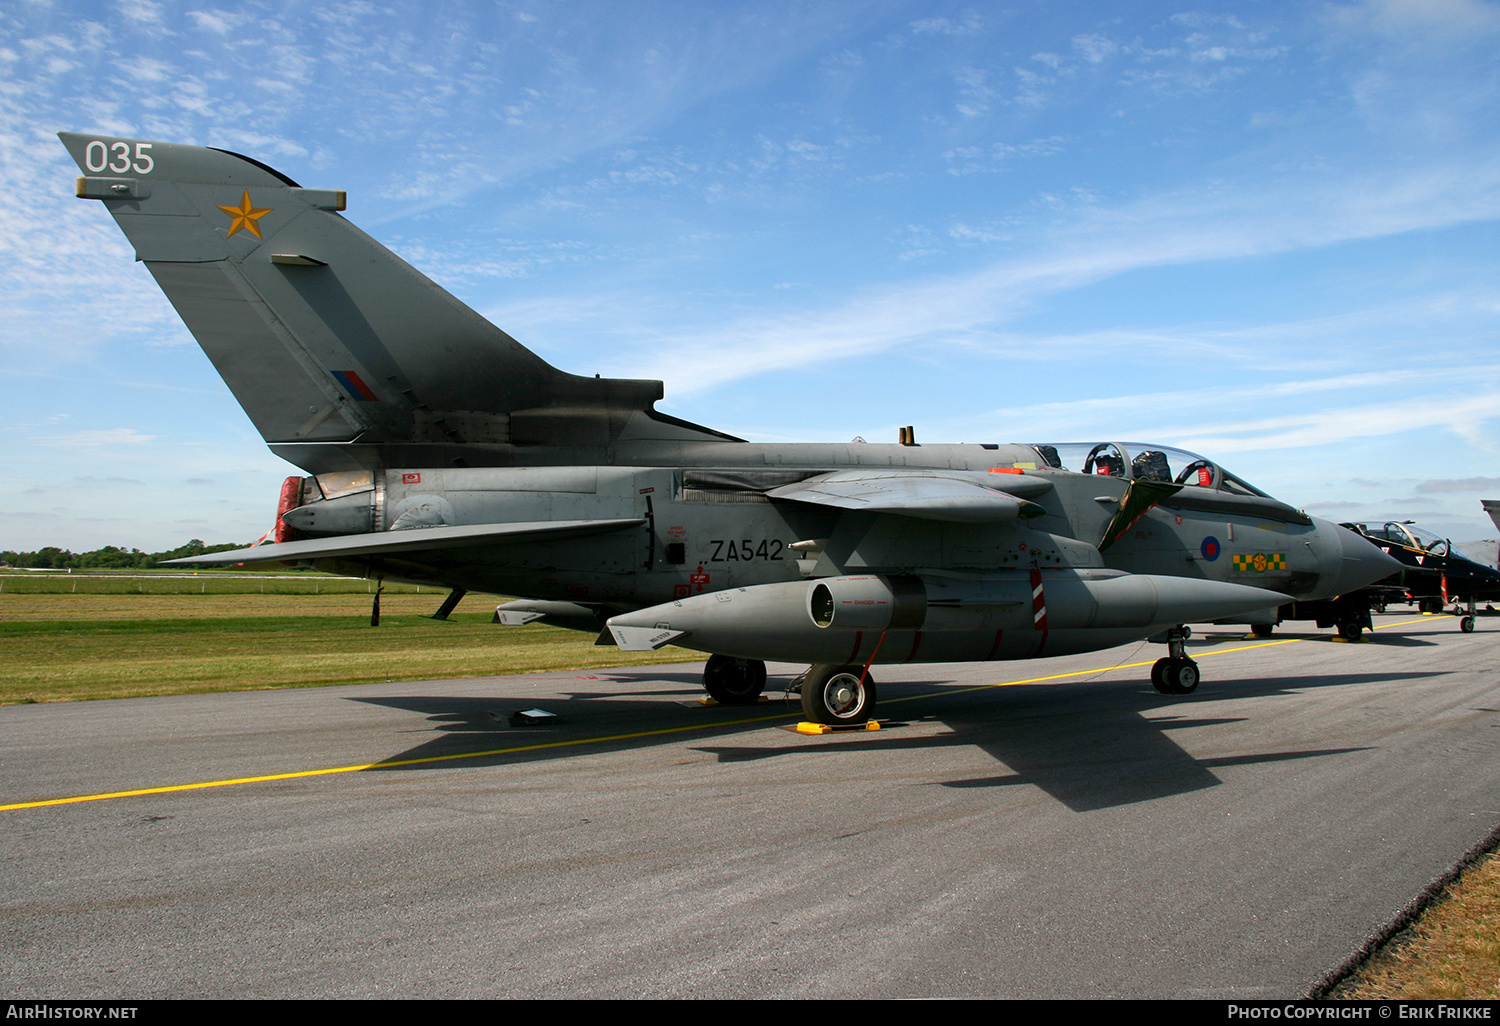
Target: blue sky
{"points": [[1266, 232]]}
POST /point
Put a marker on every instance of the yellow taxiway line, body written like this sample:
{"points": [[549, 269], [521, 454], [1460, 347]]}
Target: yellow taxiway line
{"points": [[330, 770]]}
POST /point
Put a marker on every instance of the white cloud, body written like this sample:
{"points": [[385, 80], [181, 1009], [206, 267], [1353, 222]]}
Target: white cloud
{"points": [[216, 21], [1098, 243], [1463, 484], [99, 438], [970, 25], [145, 69], [1095, 48], [1409, 21], [143, 12], [1460, 415]]}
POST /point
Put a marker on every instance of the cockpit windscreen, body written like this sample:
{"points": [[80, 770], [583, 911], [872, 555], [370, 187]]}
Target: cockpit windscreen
{"points": [[1404, 532], [1140, 461]]}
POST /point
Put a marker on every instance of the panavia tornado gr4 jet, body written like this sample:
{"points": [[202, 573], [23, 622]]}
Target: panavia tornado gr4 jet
{"points": [[439, 450]]}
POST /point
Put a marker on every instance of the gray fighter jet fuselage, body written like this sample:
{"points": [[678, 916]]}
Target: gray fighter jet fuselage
{"points": [[440, 450]]}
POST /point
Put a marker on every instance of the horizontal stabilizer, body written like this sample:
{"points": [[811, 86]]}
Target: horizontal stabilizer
{"points": [[417, 540], [958, 497]]}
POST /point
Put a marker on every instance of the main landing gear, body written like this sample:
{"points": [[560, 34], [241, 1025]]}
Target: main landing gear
{"points": [[1176, 674], [731, 681], [838, 695]]}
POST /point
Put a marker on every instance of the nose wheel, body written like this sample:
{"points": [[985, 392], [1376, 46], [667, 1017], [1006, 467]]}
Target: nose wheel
{"points": [[1466, 621], [1176, 674]]}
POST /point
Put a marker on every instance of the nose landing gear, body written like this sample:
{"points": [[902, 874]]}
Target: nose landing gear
{"points": [[1176, 674], [1466, 622]]}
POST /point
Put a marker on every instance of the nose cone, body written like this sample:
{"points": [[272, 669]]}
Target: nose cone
{"points": [[1361, 563]]}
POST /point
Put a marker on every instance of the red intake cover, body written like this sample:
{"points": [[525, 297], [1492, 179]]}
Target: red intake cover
{"points": [[291, 498]]}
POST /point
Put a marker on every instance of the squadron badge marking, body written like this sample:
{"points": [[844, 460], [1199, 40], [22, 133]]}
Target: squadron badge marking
{"points": [[244, 216], [1261, 562]]}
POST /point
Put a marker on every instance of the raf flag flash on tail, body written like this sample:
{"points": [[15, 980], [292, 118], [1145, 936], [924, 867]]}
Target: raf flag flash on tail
{"points": [[440, 450]]}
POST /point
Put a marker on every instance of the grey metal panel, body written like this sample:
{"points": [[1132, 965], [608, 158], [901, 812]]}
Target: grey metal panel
{"points": [[933, 498], [1226, 503], [582, 480], [271, 383]]}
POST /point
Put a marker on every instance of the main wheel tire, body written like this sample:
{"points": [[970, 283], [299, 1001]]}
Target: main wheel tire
{"points": [[1158, 676], [1182, 676], [1466, 625], [837, 695], [1261, 630], [731, 681], [1350, 631]]}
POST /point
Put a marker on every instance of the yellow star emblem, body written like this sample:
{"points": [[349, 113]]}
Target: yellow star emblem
{"points": [[244, 216]]}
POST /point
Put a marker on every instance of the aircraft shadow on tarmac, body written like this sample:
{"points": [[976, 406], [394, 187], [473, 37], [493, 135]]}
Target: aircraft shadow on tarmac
{"points": [[692, 681], [1384, 639], [1090, 745], [1403, 640], [482, 725]]}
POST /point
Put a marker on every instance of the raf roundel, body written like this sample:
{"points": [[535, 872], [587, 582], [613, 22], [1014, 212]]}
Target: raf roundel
{"points": [[1210, 548]]}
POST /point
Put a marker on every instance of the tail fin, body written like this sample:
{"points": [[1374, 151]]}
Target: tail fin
{"points": [[341, 353]]}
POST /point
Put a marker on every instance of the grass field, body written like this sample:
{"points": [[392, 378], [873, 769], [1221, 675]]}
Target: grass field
{"points": [[117, 637], [156, 582], [1452, 952]]}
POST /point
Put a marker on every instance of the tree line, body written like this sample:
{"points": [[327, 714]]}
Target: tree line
{"points": [[108, 558]]}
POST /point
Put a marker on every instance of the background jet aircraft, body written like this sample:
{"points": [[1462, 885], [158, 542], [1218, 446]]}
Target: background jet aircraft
{"points": [[1434, 572], [442, 451]]}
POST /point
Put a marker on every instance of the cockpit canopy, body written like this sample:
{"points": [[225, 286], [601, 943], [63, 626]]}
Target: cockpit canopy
{"points": [[1140, 461], [1404, 532]]}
